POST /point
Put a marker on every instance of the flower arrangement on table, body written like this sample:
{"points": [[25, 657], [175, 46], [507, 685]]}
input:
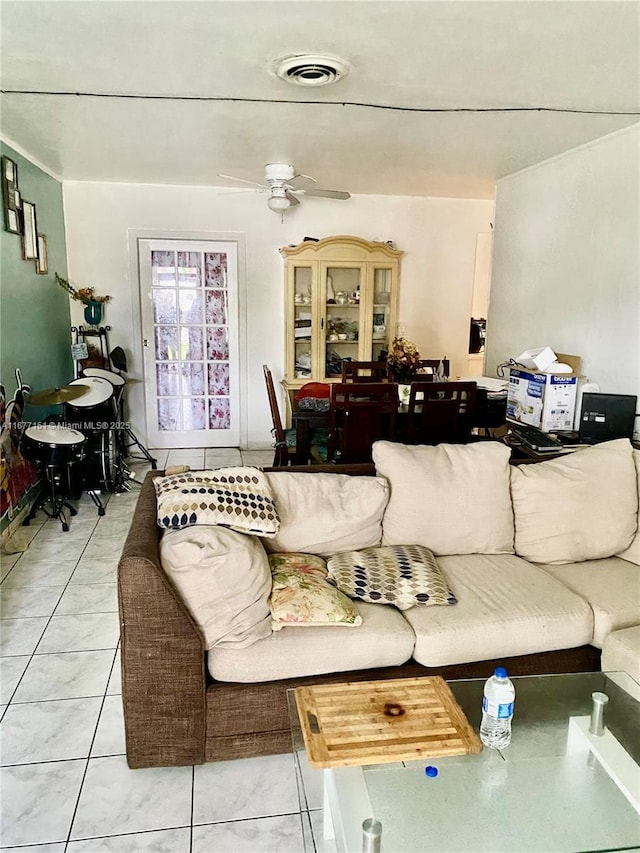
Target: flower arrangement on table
{"points": [[403, 360], [83, 294]]}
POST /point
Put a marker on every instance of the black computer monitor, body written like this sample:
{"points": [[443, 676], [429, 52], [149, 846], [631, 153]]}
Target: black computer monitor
{"points": [[604, 417]]}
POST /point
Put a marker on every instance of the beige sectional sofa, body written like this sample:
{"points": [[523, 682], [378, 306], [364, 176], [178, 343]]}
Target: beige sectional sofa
{"points": [[544, 561]]}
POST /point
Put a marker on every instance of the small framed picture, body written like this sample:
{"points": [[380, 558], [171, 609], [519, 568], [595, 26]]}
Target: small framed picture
{"points": [[9, 170], [17, 199], [30, 231], [11, 220], [42, 261]]}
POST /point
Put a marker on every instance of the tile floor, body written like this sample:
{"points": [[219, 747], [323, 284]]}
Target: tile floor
{"points": [[64, 780]]}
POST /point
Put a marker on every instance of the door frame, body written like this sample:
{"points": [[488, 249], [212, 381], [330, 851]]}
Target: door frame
{"points": [[134, 235]]}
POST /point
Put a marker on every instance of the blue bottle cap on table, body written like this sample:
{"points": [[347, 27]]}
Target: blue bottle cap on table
{"points": [[500, 672], [431, 771]]}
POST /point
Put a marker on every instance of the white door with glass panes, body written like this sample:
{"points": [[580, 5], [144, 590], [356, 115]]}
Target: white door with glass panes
{"points": [[189, 310]]}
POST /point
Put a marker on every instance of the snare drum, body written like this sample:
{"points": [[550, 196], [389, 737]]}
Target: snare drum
{"points": [[100, 462], [114, 378], [95, 411], [50, 445]]}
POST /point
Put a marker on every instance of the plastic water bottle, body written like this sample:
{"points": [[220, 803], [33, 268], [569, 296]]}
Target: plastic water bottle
{"points": [[497, 710]]}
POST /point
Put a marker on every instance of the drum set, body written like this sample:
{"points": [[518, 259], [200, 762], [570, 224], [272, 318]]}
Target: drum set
{"points": [[85, 450]]}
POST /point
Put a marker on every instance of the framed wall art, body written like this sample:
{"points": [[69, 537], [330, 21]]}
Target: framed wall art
{"points": [[10, 195], [29, 231], [42, 261]]}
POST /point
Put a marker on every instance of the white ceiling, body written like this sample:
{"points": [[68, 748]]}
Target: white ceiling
{"points": [[445, 54]]}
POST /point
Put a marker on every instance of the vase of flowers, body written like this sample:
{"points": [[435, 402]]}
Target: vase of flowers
{"points": [[403, 360], [87, 295]]}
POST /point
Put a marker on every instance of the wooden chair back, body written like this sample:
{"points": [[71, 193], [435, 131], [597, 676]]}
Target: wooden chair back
{"points": [[433, 368], [365, 371], [440, 412], [359, 414], [282, 456]]}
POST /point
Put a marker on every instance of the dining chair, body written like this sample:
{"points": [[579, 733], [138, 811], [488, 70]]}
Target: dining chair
{"points": [[433, 368], [440, 412], [359, 414], [286, 447], [365, 371]]}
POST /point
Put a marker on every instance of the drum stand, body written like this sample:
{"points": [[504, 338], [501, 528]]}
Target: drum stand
{"points": [[51, 492]]}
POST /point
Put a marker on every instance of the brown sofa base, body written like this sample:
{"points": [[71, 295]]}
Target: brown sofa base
{"points": [[227, 703]]}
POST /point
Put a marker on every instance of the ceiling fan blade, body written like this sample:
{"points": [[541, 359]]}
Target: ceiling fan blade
{"points": [[292, 199], [300, 176], [325, 193], [243, 181]]}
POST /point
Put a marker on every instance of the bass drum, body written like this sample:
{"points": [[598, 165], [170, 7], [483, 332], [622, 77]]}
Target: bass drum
{"points": [[100, 462]]}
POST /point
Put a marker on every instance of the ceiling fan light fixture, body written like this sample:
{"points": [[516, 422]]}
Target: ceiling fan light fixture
{"points": [[278, 203], [310, 69]]}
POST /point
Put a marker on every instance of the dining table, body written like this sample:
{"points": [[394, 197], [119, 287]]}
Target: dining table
{"points": [[490, 413]]}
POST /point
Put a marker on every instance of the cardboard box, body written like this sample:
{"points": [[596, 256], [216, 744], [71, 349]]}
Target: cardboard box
{"points": [[544, 400]]}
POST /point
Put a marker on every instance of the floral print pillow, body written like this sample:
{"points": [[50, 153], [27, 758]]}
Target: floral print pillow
{"points": [[303, 597]]}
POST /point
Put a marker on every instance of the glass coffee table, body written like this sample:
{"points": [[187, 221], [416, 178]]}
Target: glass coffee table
{"points": [[556, 787]]}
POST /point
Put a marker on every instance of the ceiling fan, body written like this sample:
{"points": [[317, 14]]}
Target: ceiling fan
{"points": [[280, 181]]}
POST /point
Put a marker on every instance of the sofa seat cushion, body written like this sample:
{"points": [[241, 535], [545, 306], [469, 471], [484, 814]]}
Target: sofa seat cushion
{"points": [[383, 639], [324, 513], [506, 607], [621, 652], [453, 499], [612, 588], [583, 506]]}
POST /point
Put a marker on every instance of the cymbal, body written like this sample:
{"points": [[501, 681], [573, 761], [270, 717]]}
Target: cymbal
{"points": [[53, 396]]}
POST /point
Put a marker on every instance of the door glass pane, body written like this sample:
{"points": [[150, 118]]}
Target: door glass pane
{"points": [[163, 269], [166, 343], [191, 345], [168, 380], [189, 272], [219, 379], [219, 413], [217, 307], [168, 414], [193, 413], [164, 305], [215, 269], [192, 380], [217, 343], [190, 306]]}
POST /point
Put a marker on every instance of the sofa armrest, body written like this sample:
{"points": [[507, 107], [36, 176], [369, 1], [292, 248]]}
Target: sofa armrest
{"points": [[163, 655]]}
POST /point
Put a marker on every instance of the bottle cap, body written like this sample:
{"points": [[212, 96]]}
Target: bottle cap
{"points": [[430, 771], [500, 672]]}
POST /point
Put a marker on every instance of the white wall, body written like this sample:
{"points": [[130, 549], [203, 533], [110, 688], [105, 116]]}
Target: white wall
{"points": [[438, 237], [566, 261]]}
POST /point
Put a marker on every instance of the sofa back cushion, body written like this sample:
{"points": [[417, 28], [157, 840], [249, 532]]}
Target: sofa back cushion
{"points": [[324, 513], [453, 499], [583, 506], [632, 553], [224, 580]]}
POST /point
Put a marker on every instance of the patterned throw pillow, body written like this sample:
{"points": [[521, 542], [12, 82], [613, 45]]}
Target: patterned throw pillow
{"points": [[403, 575], [302, 597], [237, 498]]}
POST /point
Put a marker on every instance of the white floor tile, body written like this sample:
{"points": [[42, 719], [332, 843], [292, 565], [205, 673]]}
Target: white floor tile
{"points": [[89, 598], [38, 801], [116, 799], [252, 787], [109, 738], [20, 539], [42, 848], [61, 546], [95, 570], [265, 835], [11, 670], [162, 841], [194, 458], [80, 632], [65, 676], [21, 636], [49, 731], [259, 458], [16, 602], [114, 688], [322, 844], [7, 561], [40, 573]]}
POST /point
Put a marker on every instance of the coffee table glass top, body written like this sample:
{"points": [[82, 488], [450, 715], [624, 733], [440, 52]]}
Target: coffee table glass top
{"points": [[545, 792]]}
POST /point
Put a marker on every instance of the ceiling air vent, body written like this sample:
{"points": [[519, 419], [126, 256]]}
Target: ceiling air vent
{"points": [[306, 70]]}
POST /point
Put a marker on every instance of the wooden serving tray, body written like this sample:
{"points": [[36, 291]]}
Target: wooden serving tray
{"points": [[371, 722]]}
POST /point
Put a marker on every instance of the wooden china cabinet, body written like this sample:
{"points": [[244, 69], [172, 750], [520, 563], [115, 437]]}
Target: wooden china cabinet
{"points": [[341, 302]]}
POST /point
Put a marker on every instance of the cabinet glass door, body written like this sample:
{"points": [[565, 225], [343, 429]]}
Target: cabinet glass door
{"points": [[302, 295], [342, 291], [382, 333]]}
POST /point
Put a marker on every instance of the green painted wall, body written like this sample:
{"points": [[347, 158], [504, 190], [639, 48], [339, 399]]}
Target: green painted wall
{"points": [[34, 311]]}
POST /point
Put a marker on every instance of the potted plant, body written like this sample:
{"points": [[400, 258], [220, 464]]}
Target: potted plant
{"points": [[87, 295]]}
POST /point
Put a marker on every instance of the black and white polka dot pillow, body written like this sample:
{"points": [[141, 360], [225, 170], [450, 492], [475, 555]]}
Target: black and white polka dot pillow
{"points": [[403, 575]]}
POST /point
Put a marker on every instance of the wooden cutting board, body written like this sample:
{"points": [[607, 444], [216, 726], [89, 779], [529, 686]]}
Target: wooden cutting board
{"points": [[371, 722]]}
